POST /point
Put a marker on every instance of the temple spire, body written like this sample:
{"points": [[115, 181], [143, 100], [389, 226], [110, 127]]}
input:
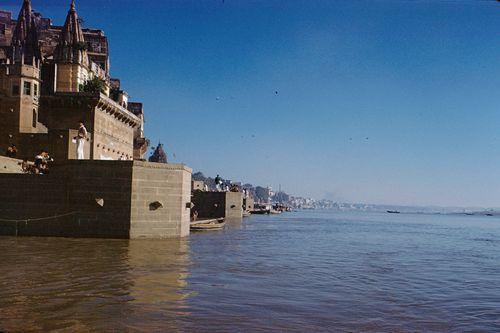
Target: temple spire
{"points": [[25, 47], [71, 47], [31, 46], [23, 23], [159, 155]]}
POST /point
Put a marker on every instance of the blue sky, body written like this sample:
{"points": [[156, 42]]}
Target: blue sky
{"points": [[364, 101]]}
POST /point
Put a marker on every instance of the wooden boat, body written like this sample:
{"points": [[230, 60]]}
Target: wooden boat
{"points": [[393, 212], [246, 214], [260, 211], [207, 225]]}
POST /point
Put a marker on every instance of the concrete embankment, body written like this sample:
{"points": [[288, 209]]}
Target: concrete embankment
{"points": [[10, 165], [105, 199], [211, 205]]}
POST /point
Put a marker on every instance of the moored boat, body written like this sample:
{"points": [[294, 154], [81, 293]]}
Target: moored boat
{"points": [[207, 225], [260, 211]]}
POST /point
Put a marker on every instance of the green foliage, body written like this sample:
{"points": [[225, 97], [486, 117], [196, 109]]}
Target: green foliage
{"points": [[82, 46], [199, 176], [95, 85], [281, 197], [114, 93], [262, 193]]}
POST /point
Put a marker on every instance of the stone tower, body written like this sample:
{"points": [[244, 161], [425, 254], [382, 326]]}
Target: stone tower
{"points": [[71, 56], [23, 74], [25, 38], [52, 77]]}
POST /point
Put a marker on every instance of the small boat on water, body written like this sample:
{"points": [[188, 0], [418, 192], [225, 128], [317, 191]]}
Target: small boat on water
{"points": [[260, 211], [393, 212], [207, 225], [246, 213]]}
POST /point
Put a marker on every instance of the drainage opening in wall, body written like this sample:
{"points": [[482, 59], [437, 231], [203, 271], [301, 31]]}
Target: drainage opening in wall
{"points": [[155, 205]]}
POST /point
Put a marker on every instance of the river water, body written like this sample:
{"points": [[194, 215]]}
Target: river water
{"points": [[314, 271]]}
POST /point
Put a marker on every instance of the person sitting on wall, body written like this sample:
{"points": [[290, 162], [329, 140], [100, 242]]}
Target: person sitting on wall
{"points": [[39, 160], [26, 167], [80, 141], [12, 151], [44, 167]]}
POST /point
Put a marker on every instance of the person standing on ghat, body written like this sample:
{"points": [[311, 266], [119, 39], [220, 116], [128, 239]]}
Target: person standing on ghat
{"points": [[218, 183], [80, 141]]}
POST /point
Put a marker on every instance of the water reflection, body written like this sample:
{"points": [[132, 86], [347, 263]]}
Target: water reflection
{"points": [[233, 224], [67, 285], [298, 272]]}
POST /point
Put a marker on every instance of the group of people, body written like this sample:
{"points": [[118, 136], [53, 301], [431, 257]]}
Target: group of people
{"points": [[41, 166], [42, 160], [221, 187]]}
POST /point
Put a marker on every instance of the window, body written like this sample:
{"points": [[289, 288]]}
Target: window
{"points": [[27, 88], [2, 29], [35, 118], [15, 90], [35, 89]]}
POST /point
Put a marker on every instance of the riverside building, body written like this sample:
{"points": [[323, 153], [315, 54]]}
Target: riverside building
{"points": [[51, 77]]}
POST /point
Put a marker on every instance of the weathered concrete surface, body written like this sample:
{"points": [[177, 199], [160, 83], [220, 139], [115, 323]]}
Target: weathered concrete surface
{"points": [[218, 204], [234, 205], [209, 204], [248, 204], [105, 199], [10, 165], [198, 185], [170, 186]]}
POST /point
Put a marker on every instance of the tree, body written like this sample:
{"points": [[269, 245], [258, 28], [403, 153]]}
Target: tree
{"points": [[199, 176], [262, 193], [94, 85], [281, 197]]}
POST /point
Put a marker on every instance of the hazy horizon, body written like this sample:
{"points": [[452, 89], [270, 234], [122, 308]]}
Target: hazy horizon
{"points": [[354, 101]]}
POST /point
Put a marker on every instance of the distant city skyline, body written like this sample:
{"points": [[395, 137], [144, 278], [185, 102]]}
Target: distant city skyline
{"points": [[381, 102]]}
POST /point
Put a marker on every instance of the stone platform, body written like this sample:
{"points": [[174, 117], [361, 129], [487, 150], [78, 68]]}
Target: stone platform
{"points": [[10, 165], [227, 205], [101, 199]]}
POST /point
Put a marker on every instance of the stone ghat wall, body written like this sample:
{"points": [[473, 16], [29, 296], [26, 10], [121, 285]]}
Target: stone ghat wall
{"points": [[248, 204], [218, 204], [161, 194], [234, 205], [102, 199], [10, 165], [209, 204]]}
